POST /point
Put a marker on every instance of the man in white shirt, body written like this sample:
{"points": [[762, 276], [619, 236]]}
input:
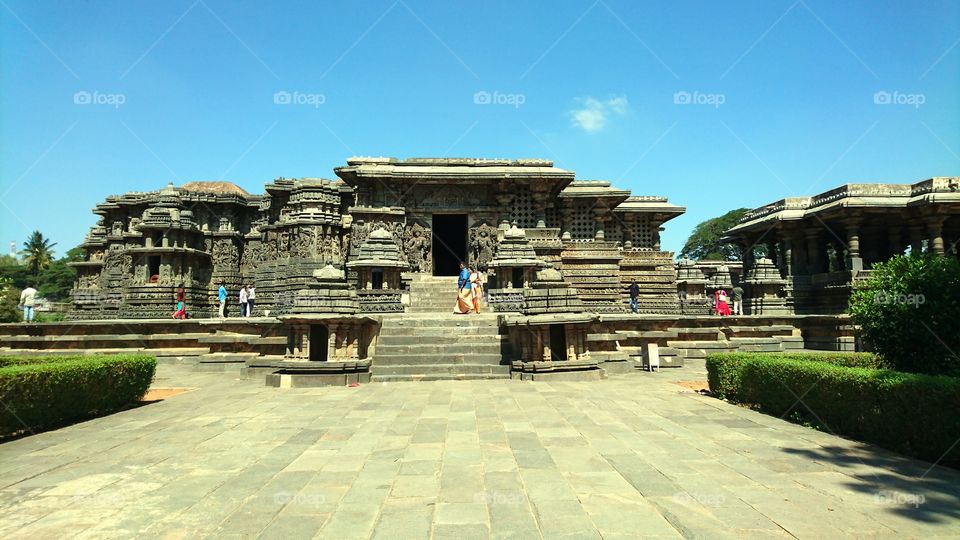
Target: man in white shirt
{"points": [[28, 299], [243, 301]]}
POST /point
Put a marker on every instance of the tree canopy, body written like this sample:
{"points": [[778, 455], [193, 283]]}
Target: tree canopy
{"points": [[704, 241], [37, 253]]}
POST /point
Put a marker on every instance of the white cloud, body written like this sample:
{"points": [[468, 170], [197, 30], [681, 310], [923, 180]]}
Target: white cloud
{"points": [[594, 113]]}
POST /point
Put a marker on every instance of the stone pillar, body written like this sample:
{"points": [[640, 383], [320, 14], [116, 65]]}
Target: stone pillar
{"points": [[544, 332], [305, 344], [331, 341], [935, 228], [854, 262], [570, 334], [787, 257]]}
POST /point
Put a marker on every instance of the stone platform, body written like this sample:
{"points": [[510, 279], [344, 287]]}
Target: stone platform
{"points": [[427, 346], [626, 457]]}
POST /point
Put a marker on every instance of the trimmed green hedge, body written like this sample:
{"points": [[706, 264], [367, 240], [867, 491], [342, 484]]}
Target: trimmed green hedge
{"points": [[905, 412], [39, 392], [723, 369]]}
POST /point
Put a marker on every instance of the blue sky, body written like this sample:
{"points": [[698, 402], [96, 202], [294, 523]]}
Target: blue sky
{"points": [[715, 106]]}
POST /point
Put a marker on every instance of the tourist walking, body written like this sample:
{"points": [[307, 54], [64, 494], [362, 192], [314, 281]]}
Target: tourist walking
{"points": [[737, 300], [634, 296], [722, 307], [222, 297], [251, 297], [243, 301], [181, 312], [28, 300], [464, 293], [476, 288]]}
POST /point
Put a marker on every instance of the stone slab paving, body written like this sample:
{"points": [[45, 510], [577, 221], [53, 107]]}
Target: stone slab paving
{"points": [[635, 456]]}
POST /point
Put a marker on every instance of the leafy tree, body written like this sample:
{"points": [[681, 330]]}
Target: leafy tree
{"points": [[908, 311], [704, 242], [11, 269], [38, 252], [56, 282], [9, 299]]}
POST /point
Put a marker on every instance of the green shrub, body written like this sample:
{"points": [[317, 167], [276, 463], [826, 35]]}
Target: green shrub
{"points": [[723, 369], [46, 391], [910, 413], [909, 312]]}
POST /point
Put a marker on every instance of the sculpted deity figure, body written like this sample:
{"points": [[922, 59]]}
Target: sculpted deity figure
{"points": [[483, 244], [416, 247]]}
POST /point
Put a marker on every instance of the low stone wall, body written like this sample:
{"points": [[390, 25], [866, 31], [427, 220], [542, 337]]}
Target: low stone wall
{"points": [[614, 343]]}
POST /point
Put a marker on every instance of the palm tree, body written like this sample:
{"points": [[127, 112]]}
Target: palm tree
{"points": [[38, 252]]}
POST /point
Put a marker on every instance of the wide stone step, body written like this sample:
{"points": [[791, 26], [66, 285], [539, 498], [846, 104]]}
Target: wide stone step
{"points": [[438, 338], [446, 321], [439, 369], [431, 359], [492, 347], [439, 331], [438, 377]]}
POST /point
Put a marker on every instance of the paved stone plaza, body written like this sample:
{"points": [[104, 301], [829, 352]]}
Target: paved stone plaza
{"points": [[631, 456]]}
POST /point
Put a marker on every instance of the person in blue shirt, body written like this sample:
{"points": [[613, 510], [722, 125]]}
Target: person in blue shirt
{"points": [[222, 296], [464, 297]]}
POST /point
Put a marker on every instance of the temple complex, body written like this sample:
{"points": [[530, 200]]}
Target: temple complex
{"points": [[356, 277], [816, 248]]}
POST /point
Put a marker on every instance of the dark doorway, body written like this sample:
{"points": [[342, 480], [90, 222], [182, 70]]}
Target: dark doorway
{"points": [[558, 342], [449, 243], [319, 336]]}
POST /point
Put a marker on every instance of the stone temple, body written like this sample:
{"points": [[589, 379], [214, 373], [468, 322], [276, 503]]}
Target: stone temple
{"points": [[356, 277]]}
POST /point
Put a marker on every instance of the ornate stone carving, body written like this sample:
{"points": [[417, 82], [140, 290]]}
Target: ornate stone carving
{"points": [[416, 248], [483, 244], [225, 254]]}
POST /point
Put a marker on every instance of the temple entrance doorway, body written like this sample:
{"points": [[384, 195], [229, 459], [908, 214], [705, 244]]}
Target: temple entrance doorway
{"points": [[319, 335], [449, 243], [558, 342]]}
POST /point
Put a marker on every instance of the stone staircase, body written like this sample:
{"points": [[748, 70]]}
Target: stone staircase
{"points": [[430, 342], [437, 346], [432, 294]]}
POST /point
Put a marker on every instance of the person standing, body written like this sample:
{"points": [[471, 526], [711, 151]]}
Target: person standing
{"points": [[181, 312], [476, 288], [251, 297], [634, 297], [222, 297], [737, 300], [464, 295], [28, 300], [243, 301]]}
